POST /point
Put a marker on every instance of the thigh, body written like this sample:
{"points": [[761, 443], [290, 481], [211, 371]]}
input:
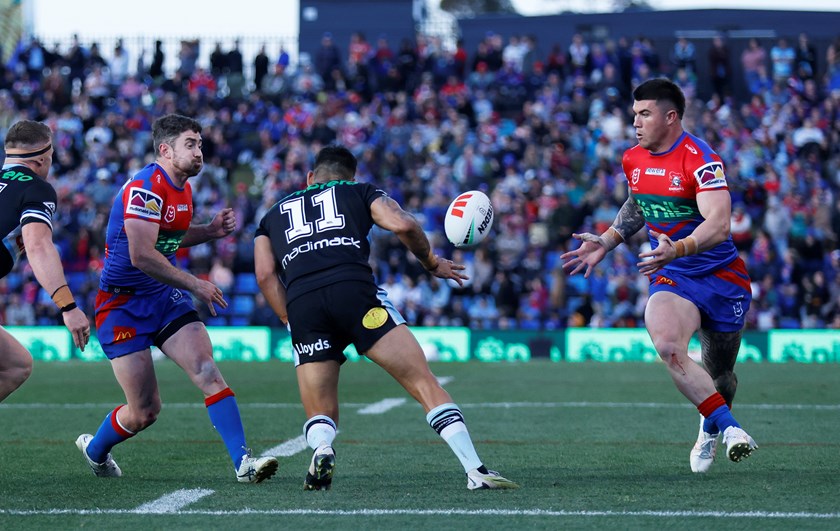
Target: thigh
{"points": [[13, 355], [399, 353], [671, 319], [318, 385], [135, 373]]}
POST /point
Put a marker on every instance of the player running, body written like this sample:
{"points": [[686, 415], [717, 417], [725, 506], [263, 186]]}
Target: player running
{"points": [[316, 239], [144, 300], [697, 280]]}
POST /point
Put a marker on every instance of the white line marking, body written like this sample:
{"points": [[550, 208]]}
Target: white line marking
{"points": [[443, 380], [377, 408], [172, 502], [445, 512], [605, 405], [288, 448]]}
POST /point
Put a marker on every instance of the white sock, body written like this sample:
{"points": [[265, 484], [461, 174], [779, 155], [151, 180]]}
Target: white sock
{"points": [[447, 421], [319, 431]]}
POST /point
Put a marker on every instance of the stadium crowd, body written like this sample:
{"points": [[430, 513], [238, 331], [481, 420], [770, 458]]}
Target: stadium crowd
{"points": [[542, 132]]}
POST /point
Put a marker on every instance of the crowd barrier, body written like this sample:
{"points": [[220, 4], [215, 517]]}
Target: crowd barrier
{"points": [[260, 344]]}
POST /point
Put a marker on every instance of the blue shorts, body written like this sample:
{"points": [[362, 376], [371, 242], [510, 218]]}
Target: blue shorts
{"points": [[723, 296], [127, 323]]}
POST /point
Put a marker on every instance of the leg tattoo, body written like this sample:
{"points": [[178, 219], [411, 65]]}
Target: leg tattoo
{"points": [[719, 351]]}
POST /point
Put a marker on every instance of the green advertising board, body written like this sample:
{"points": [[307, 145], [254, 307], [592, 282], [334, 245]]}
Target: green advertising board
{"points": [[804, 346], [516, 345]]}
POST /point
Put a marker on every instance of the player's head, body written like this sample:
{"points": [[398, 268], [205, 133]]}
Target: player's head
{"points": [[658, 105], [177, 142], [30, 143], [333, 163]]}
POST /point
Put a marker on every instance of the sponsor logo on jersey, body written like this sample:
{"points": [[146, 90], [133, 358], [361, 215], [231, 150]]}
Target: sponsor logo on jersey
{"points": [[170, 214], [634, 179], [374, 318], [124, 333], [664, 210], [183, 208], [738, 309], [710, 175], [655, 171], [338, 241], [49, 204], [691, 148], [13, 175], [308, 349], [4, 185], [144, 203]]}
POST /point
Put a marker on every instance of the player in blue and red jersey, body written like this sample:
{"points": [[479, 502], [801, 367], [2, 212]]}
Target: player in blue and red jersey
{"points": [[697, 281], [144, 300]]}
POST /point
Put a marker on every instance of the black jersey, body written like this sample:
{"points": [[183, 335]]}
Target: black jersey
{"points": [[319, 235], [24, 198]]}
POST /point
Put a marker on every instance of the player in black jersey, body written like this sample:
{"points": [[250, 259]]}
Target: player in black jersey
{"points": [[311, 257], [27, 204]]}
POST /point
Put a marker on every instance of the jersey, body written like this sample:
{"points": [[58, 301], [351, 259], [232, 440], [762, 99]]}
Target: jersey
{"points": [[24, 198], [319, 235], [151, 196], [665, 186]]}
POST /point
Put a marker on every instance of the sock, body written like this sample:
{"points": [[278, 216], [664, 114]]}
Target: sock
{"points": [[319, 431], [716, 414], [224, 414], [447, 421], [109, 434]]}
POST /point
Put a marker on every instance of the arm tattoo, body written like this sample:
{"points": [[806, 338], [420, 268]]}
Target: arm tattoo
{"points": [[629, 219]]}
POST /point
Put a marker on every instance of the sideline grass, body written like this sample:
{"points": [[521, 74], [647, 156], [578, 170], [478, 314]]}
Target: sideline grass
{"points": [[594, 446]]}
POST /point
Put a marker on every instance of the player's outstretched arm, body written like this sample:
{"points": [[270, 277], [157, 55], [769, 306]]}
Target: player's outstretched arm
{"points": [[265, 268], [223, 223], [46, 264], [388, 214]]}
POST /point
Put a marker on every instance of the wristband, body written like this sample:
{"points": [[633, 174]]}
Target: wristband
{"points": [[610, 239], [71, 306], [686, 246], [63, 297]]}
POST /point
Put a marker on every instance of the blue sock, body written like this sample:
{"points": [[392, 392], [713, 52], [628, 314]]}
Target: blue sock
{"points": [[224, 414], [719, 420], [109, 434]]}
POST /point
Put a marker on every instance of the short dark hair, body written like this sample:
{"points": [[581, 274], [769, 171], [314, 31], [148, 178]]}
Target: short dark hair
{"points": [[167, 128], [661, 89], [337, 161], [27, 133]]}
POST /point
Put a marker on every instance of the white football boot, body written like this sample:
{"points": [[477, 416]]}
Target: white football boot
{"points": [[739, 445], [108, 469], [491, 480], [703, 454]]}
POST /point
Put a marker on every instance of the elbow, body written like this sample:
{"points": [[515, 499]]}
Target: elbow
{"points": [[406, 227]]}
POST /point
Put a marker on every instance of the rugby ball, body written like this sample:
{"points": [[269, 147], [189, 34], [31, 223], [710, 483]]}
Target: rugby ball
{"points": [[468, 219]]}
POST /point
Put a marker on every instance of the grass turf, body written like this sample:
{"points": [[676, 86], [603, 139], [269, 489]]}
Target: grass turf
{"points": [[594, 446]]}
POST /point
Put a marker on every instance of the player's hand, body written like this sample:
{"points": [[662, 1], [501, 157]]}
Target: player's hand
{"points": [[77, 323], [224, 223], [209, 294], [587, 256], [655, 259], [449, 270]]}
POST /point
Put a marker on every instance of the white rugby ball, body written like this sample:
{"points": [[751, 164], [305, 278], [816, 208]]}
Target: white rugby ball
{"points": [[468, 219]]}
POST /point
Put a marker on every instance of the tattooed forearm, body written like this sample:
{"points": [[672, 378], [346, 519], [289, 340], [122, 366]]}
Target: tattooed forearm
{"points": [[629, 219]]}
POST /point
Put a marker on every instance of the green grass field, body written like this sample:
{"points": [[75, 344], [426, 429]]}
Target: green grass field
{"points": [[594, 446]]}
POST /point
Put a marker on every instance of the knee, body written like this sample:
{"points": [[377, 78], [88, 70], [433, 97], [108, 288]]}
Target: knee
{"points": [[669, 350], [19, 373], [144, 417]]}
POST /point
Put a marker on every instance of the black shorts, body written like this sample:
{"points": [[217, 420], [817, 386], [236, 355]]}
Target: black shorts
{"points": [[324, 321]]}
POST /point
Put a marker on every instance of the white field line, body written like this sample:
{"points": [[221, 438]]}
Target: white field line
{"points": [[377, 408], [443, 380], [552, 405], [172, 502], [769, 515]]}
